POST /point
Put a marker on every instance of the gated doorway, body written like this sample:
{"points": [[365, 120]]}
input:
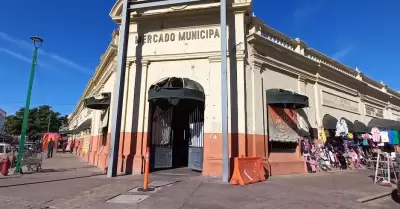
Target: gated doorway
{"points": [[176, 124]]}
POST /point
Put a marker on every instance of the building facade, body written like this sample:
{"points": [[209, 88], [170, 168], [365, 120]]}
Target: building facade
{"points": [[3, 116], [172, 95]]}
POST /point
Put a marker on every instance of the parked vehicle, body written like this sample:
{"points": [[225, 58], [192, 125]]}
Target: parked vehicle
{"points": [[6, 151]]}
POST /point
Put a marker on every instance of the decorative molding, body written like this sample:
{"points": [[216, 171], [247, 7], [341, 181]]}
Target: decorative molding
{"points": [[260, 60], [287, 44], [374, 102]]}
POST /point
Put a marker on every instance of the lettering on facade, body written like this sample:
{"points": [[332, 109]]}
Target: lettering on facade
{"points": [[338, 102], [373, 111], [177, 36]]}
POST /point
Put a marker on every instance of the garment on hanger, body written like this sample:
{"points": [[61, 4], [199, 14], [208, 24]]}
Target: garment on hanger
{"points": [[350, 136], [341, 128], [384, 136], [376, 134], [396, 139], [365, 142], [391, 136], [323, 135], [366, 136]]}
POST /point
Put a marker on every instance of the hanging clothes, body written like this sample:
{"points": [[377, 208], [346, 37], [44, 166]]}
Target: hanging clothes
{"points": [[341, 128], [391, 136], [323, 135], [376, 134], [365, 142], [350, 136], [384, 136], [396, 139]]}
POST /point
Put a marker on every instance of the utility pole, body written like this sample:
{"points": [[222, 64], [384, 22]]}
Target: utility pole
{"points": [[119, 91], [224, 92], [39, 41]]}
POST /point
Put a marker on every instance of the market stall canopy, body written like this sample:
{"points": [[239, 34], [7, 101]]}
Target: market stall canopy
{"points": [[384, 123], [329, 122], [360, 127], [83, 126], [350, 125], [286, 99], [98, 103], [176, 88]]}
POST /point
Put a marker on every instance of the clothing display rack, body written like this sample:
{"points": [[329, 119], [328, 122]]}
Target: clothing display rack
{"points": [[384, 168]]}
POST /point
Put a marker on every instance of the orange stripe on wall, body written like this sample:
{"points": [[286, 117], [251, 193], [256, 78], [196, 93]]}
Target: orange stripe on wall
{"points": [[133, 147]]}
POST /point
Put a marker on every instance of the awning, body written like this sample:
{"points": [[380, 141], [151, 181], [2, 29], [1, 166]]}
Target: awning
{"points": [[360, 127], [384, 123], [83, 126], [173, 88], [329, 122], [350, 125], [98, 103], [286, 99]]}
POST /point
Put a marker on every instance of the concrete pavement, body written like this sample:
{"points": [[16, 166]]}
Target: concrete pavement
{"points": [[185, 189]]}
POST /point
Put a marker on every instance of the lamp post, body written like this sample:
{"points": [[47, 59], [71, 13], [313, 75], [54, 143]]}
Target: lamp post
{"points": [[37, 43]]}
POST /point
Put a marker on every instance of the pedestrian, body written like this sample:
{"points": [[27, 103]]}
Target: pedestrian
{"points": [[77, 147], [50, 148], [71, 147], [64, 146]]}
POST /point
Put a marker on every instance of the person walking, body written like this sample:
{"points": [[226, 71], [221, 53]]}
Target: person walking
{"points": [[71, 147], [77, 147], [64, 146], [50, 148]]}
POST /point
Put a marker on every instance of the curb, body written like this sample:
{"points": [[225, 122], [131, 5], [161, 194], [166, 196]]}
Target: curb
{"points": [[52, 180], [373, 197]]}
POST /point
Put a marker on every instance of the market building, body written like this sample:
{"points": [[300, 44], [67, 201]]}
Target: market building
{"points": [[3, 115], [280, 90]]}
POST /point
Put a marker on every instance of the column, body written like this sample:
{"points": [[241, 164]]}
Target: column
{"points": [[141, 133], [125, 136], [240, 106], [317, 99]]}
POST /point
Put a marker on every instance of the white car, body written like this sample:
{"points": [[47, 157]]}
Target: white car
{"points": [[6, 152]]}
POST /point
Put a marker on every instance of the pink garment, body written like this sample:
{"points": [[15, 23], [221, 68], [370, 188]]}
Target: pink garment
{"points": [[376, 135], [313, 165]]}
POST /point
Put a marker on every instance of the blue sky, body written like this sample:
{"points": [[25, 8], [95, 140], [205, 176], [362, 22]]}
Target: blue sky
{"points": [[361, 33]]}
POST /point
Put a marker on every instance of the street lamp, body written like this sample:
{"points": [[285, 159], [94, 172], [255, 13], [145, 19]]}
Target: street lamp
{"points": [[37, 43]]}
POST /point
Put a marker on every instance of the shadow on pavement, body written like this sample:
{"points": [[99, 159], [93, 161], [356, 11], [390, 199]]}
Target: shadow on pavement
{"points": [[51, 180], [395, 196]]}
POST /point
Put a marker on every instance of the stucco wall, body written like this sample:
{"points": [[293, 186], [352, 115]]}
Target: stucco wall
{"points": [[339, 104]]}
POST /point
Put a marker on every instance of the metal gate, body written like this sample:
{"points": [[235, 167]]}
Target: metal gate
{"points": [[161, 137], [196, 144]]}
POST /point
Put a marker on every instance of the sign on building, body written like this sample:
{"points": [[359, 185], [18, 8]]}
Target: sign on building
{"points": [[373, 111]]}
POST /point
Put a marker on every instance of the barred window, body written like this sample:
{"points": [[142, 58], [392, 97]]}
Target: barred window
{"points": [[282, 147]]}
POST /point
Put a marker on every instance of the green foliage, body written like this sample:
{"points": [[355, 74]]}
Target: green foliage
{"points": [[38, 121]]}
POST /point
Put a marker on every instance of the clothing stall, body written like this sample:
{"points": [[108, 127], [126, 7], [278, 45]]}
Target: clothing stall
{"points": [[344, 145], [385, 135]]}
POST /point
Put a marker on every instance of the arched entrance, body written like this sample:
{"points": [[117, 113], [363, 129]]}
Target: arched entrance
{"points": [[176, 123]]}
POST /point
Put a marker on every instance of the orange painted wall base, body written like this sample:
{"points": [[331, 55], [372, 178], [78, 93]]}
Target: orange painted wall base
{"points": [[129, 161]]}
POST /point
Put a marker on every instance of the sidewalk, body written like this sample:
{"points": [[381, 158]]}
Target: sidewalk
{"points": [[326, 190], [61, 166], [181, 189]]}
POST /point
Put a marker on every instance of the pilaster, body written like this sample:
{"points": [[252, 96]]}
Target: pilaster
{"points": [[141, 132]]}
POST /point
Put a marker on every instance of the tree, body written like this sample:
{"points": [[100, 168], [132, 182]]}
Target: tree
{"points": [[40, 120]]}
